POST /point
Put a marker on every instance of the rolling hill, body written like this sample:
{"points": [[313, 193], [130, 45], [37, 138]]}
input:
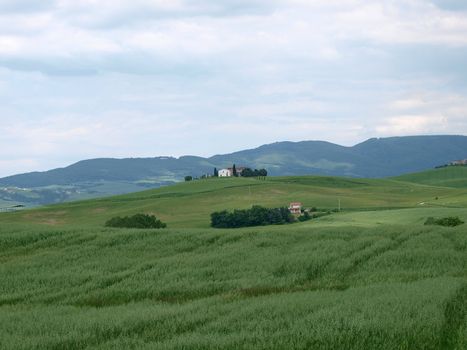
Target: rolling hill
{"points": [[189, 204], [374, 158], [451, 176], [369, 277]]}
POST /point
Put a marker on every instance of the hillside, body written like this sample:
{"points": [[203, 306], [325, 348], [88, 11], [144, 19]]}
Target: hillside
{"points": [[451, 176], [374, 158], [370, 277], [190, 204]]}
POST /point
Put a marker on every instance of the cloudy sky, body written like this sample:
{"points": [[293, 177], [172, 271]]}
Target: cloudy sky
{"points": [[129, 78]]}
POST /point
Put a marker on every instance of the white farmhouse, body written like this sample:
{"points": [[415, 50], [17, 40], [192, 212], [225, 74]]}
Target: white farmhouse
{"points": [[295, 208], [225, 173]]}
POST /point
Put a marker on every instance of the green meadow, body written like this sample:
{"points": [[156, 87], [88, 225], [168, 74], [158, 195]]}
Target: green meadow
{"points": [[371, 276], [452, 176]]}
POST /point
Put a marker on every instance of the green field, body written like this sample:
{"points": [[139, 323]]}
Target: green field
{"points": [[451, 176], [369, 277], [188, 205]]}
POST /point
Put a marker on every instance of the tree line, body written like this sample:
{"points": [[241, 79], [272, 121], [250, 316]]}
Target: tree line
{"points": [[247, 172], [136, 221], [256, 216]]}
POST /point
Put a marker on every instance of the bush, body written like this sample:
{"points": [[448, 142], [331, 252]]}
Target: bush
{"points": [[305, 217], [449, 221], [247, 172], [430, 221], [256, 216], [136, 221]]}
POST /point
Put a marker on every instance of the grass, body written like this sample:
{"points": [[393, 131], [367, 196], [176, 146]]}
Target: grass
{"points": [[370, 277], [263, 288], [451, 176], [188, 205]]}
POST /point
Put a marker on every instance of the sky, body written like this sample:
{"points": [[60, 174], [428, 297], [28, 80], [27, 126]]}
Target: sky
{"points": [[144, 78]]}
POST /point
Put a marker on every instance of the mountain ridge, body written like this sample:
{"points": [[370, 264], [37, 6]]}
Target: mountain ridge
{"points": [[372, 158]]}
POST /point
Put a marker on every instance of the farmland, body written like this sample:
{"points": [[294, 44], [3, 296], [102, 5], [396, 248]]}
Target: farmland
{"points": [[369, 277]]}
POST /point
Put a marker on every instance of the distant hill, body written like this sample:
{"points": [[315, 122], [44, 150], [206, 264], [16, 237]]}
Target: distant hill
{"points": [[374, 158]]}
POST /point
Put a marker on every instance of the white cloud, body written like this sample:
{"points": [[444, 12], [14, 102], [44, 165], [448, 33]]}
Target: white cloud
{"points": [[426, 113], [181, 30], [91, 78], [409, 103], [413, 125]]}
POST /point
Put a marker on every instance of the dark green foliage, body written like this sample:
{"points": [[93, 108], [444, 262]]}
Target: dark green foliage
{"points": [[216, 172], [430, 221], [234, 171], [188, 178], [136, 221], [256, 216], [305, 217], [450, 221], [247, 172]]}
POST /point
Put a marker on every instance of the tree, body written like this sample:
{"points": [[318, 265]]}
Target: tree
{"points": [[136, 221], [234, 171], [256, 216], [216, 172], [247, 172], [188, 178]]}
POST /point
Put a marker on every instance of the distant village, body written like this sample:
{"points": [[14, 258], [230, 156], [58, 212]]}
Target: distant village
{"points": [[461, 162]]}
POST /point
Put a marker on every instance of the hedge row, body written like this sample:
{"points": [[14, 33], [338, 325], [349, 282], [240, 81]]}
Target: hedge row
{"points": [[256, 216], [136, 221], [449, 221]]}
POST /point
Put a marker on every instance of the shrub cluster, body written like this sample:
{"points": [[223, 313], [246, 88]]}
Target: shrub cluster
{"points": [[136, 221], [449, 221], [305, 217], [256, 216], [247, 172]]}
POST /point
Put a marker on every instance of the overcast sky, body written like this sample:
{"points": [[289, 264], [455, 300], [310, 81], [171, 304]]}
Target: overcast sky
{"points": [[131, 78]]}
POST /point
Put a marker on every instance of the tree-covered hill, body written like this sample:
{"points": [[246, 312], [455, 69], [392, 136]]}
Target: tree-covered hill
{"points": [[100, 177]]}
